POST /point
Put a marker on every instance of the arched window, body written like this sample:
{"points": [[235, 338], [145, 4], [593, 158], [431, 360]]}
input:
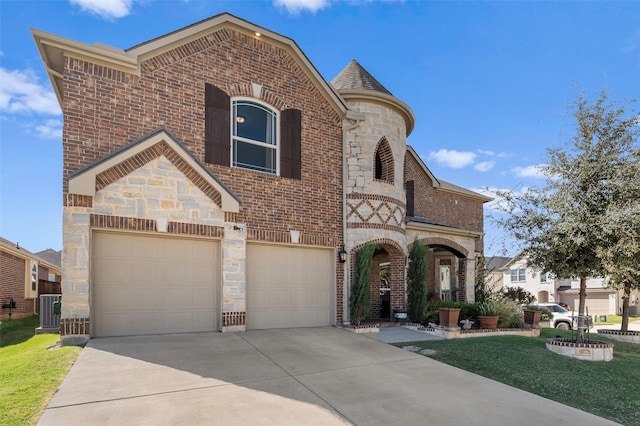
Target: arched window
{"points": [[383, 162], [245, 133], [255, 142]]}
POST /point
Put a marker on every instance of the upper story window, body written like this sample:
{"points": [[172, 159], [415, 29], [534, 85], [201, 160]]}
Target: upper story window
{"points": [[248, 134], [543, 277], [255, 140], [518, 275], [383, 162]]}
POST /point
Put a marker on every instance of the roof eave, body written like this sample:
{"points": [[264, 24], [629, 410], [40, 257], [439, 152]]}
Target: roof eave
{"points": [[385, 99], [419, 226], [53, 48]]}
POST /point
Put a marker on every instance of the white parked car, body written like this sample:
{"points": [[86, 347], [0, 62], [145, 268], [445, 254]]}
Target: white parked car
{"points": [[562, 318]]}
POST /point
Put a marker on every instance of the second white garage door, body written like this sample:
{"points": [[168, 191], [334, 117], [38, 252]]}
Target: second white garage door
{"points": [[152, 285], [289, 287]]}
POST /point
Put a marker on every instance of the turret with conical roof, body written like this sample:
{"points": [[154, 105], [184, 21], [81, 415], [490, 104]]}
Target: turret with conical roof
{"points": [[374, 152], [355, 77]]}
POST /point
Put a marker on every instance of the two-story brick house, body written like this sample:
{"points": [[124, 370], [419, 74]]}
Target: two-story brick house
{"points": [[212, 176]]}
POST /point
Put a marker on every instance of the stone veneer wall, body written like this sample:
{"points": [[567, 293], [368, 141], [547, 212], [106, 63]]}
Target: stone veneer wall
{"points": [[376, 209], [135, 202]]}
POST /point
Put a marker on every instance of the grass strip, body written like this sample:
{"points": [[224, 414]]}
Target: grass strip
{"points": [[30, 374], [607, 389]]}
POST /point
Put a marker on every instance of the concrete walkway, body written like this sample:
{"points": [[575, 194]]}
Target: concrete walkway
{"points": [[323, 376]]}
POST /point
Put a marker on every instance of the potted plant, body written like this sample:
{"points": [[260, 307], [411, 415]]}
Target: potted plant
{"points": [[449, 317], [532, 315], [488, 315]]}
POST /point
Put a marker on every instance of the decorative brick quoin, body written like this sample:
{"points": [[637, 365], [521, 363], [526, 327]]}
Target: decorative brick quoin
{"points": [[212, 175]]}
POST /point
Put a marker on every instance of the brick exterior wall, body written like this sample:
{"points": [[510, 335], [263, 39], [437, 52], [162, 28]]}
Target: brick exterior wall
{"points": [[170, 93], [12, 282], [106, 109], [443, 208]]}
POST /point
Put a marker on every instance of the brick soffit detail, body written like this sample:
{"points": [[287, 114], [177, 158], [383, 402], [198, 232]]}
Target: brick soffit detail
{"points": [[138, 153]]}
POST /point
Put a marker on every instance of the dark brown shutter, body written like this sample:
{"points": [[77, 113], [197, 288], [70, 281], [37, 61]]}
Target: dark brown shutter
{"points": [[217, 148], [409, 187], [291, 143]]}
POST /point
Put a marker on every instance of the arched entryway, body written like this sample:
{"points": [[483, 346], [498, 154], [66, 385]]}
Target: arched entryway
{"points": [[387, 281], [543, 296], [447, 270]]}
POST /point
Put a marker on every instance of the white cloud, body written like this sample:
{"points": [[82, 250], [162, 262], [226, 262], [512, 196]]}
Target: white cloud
{"points": [[486, 152], [51, 129], [534, 171], [484, 166], [296, 6], [21, 93], [107, 9], [452, 158]]}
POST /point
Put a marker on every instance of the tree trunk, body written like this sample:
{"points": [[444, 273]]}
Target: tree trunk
{"points": [[625, 306], [581, 317]]}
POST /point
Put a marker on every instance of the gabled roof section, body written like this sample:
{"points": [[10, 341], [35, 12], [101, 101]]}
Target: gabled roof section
{"points": [[17, 250], [51, 256], [356, 83], [446, 186], [354, 76], [495, 263], [124, 160], [53, 48]]}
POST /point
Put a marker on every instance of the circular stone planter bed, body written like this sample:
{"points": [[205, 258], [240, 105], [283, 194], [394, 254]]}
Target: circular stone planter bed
{"points": [[591, 350], [630, 336]]}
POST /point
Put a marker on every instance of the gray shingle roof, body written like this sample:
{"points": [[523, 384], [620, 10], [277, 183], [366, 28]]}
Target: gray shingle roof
{"points": [[354, 76], [495, 263], [51, 256]]}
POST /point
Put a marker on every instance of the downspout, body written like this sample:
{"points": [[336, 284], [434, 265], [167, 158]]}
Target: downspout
{"points": [[356, 118]]}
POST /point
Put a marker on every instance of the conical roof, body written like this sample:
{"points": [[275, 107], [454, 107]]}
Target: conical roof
{"points": [[354, 76]]}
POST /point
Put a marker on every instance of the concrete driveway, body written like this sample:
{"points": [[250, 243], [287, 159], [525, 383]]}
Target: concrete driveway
{"points": [[313, 376]]}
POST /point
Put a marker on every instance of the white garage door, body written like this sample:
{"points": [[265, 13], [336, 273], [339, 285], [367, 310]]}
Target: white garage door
{"points": [[151, 285], [596, 304], [289, 287]]}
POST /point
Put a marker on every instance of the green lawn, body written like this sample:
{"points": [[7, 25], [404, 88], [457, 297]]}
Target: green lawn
{"points": [[607, 389], [29, 372]]}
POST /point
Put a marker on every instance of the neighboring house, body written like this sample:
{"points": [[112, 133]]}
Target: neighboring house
{"points": [[494, 278], [213, 180], [23, 277], [601, 300]]}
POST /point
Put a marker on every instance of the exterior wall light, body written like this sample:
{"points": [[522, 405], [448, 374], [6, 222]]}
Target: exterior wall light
{"points": [[342, 255]]}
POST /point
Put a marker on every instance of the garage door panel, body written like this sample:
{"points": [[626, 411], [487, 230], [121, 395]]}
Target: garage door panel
{"points": [[288, 286], [113, 271], [156, 287], [176, 273], [110, 246], [146, 249], [144, 272]]}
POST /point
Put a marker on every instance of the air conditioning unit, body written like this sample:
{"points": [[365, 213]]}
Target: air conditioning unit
{"points": [[52, 277]]}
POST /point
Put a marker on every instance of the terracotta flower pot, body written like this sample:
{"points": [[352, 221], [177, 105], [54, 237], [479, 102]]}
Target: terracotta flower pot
{"points": [[449, 317], [532, 317], [488, 321]]}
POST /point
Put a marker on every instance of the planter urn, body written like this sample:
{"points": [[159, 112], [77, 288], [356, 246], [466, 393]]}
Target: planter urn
{"points": [[532, 317], [449, 317], [488, 321]]}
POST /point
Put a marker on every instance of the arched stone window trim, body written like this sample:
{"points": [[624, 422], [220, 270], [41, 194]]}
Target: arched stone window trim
{"points": [[383, 169]]}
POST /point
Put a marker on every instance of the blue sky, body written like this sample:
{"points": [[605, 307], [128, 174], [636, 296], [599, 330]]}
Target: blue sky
{"points": [[489, 82]]}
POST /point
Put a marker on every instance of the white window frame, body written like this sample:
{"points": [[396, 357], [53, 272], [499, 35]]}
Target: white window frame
{"points": [[519, 274], [276, 132]]}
